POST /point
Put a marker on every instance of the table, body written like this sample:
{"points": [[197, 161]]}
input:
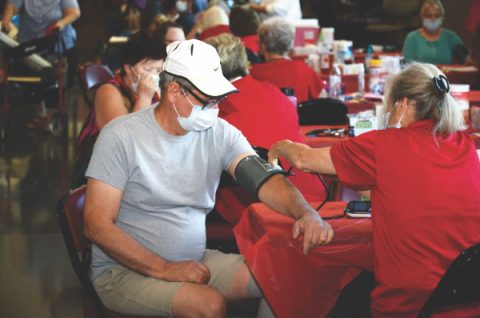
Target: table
{"points": [[298, 285], [324, 141]]}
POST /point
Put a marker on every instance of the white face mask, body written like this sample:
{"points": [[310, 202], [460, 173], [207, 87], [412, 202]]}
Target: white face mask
{"points": [[432, 25], [181, 6], [155, 78], [199, 119], [398, 124]]}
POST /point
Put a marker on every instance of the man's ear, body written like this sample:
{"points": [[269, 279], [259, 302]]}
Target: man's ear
{"points": [[173, 91]]}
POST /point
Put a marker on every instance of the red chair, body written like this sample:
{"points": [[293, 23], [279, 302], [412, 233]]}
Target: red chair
{"points": [[92, 76], [70, 214]]}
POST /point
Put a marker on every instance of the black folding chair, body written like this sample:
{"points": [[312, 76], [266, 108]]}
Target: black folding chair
{"points": [[459, 287], [322, 111]]}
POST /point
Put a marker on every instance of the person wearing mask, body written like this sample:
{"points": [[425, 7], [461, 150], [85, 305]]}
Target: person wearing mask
{"points": [[260, 110], [286, 9], [432, 43], [179, 11], [276, 37], [134, 87], [152, 181], [425, 191]]}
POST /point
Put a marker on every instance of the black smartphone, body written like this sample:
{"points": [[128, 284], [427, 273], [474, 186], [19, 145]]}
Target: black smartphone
{"points": [[359, 209]]}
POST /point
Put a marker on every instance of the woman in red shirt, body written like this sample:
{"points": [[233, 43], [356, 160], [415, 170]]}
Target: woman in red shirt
{"points": [[423, 174], [276, 37]]}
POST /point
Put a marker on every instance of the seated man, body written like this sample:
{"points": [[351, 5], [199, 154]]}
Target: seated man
{"points": [[276, 40], [152, 180]]}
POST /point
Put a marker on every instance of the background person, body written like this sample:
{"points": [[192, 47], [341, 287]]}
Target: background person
{"points": [[152, 180], [276, 37], [286, 9], [37, 18], [425, 191], [244, 23], [134, 87], [432, 43]]}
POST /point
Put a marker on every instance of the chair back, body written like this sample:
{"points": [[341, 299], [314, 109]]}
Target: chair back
{"points": [[70, 215], [322, 111], [459, 286], [91, 77], [402, 8]]}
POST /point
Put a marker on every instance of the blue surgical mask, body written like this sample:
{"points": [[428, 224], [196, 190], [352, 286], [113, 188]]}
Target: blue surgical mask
{"points": [[432, 25], [199, 119]]}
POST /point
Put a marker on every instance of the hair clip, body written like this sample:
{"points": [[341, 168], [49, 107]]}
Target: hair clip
{"points": [[441, 84]]}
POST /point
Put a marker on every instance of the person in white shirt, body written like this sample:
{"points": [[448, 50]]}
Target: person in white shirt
{"points": [[288, 9]]}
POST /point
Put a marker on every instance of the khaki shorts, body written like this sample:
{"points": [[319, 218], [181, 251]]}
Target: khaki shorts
{"points": [[126, 291]]}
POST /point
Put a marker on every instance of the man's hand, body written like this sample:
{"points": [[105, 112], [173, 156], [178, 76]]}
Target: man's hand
{"points": [[187, 271], [315, 231]]}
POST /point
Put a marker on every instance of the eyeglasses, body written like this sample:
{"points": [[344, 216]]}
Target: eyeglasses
{"points": [[205, 104]]}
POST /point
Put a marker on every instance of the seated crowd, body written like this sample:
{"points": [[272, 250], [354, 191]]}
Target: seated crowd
{"points": [[194, 108]]}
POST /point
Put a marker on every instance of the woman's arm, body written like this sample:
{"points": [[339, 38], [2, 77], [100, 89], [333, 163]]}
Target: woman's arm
{"points": [[108, 104], [303, 157]]}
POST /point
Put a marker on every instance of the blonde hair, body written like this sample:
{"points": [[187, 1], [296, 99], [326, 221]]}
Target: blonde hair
{"points": [[416, 82], [214, 16], [233, 57], [433, 3]]}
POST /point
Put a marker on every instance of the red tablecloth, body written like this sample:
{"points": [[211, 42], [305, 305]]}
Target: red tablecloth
{"points": [[298, 285], [317, 142]]}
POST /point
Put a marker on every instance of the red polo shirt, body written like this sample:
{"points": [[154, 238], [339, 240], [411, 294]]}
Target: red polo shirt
{"points": [[265, 116], [425, 203], [293, 74]]}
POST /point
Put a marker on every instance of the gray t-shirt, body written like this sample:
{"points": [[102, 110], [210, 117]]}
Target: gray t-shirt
{"points": [[168, 182]]}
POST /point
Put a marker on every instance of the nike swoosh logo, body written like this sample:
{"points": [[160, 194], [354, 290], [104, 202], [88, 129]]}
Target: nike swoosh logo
{"points": [[216, 68]]}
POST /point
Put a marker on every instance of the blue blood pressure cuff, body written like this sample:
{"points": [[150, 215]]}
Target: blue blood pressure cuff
{"points": [[252, 172]]}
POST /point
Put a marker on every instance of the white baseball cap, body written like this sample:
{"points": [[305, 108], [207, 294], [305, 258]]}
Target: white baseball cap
{"points": [[198, 62]]}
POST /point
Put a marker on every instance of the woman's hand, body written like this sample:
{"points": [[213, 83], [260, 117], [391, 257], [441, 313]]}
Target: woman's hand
{"points": [[289, 150], [147, 87]]}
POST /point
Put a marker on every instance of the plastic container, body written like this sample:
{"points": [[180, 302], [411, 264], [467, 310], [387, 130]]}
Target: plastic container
{"points": [[375, 81], [335, 83]]}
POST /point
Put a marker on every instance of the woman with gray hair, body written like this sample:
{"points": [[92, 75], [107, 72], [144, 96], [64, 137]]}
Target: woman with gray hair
{"points": [[260, 110], [423, 173], [276, 37]]}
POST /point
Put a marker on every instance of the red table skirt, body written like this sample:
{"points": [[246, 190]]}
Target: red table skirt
{"points": [[298, 285]]}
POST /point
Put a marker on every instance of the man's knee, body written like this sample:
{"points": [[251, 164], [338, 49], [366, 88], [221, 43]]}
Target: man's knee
{"points": [[199, 302], [214, 306]]}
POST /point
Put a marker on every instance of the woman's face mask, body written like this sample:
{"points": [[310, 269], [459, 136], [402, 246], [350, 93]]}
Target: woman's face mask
{"points": [[181, 6], [432, 25], [155, 78]]}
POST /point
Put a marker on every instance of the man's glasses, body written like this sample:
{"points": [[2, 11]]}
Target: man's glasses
{"points": [[206, 104]]}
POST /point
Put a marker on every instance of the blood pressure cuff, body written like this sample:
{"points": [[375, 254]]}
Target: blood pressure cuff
{"points": [[252, 172]]}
